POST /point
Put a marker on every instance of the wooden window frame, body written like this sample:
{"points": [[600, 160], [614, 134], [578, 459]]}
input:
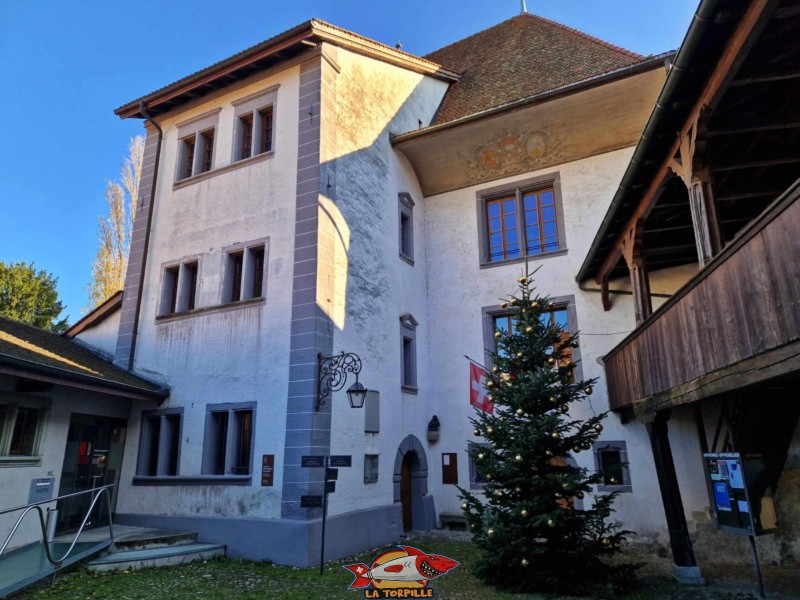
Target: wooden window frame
{"points": [[179, 287], [517, 192], [160, 448], [251, 280], [197, 147], [490, 313], [255, 120]]}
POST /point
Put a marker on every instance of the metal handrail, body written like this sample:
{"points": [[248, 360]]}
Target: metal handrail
{"points": [[27, 508]]}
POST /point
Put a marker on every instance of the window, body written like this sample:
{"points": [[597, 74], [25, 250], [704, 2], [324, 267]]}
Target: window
{"points": [[526, 221], [408, 353], [179, 288], [255, 124], [476, 478], [611, 463], [196, 146], [564, 314], [159, 442], [244, 273], [406, 233], [228, 446], [370, 468], [21, 425]]}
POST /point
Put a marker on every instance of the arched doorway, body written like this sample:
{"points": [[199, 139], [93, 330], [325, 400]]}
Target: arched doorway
{"points": [[411, 486]]}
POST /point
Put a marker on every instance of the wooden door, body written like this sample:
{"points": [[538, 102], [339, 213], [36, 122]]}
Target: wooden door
{"points": [[405, 492]]}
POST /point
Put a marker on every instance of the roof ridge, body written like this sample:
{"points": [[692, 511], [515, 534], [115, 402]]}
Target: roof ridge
{"points": [[587, 36]]}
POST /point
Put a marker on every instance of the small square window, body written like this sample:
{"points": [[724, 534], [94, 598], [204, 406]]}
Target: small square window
{"points": [[370, 468], [187, 157], [255, 124], [21, 424], [159, 442], [476, 478], [228, 446], [179, 288], [611, 463]]}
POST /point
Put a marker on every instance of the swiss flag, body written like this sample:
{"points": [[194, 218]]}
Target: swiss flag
{"points": [[477, 393]]}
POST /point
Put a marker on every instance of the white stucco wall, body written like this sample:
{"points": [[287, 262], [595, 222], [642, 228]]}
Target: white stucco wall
{"points": [[237, 353], [458, 288], [101, 338], [374, 286]]}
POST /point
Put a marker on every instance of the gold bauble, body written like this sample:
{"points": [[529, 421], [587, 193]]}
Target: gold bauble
{"points": [[476, 431], [574, 343], [518, 490], [553, 399], [489, 383], [598, 428], [529, 330], [551, 304], [480, 455], [489, 430], [564, 408], [576, 449], [494, 369], [504, 305], [579, 495], [473, 526], [551, 523], [518, 458], [588, 390], [555, 435], [606, 542], [548, 453], [497, 334], [558, 495], [535, 304], [524, 562], [490, 532], [565, 486], [464, 506], [520, 412], [513, 302], [488, 477], [550, 360], [523, 280], [498, 492], [524, 512], [520, 355]]}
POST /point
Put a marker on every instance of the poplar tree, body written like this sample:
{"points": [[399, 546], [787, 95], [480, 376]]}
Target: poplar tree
{"points": [[531, 534], [114, 228]]}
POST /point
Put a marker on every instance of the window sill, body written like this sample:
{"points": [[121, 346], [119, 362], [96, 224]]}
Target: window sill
{"points": [[407, 389], [181, 183], [209, 309], [531, 258], [477, 486], [407, 258], [161, 480], [20, 461], [607, 489]]}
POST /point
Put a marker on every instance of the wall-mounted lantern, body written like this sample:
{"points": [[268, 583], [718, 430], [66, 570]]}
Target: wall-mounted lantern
{"points": [[332, 374], [433, 429]]}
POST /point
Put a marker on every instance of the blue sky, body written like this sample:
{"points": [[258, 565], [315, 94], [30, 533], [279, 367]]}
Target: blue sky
{"points": [[66, 65]]}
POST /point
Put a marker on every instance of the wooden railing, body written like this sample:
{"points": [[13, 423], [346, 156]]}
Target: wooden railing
{"points": [[736, 323]]}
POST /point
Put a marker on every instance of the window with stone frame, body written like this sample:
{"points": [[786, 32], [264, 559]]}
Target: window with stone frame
{"points": [[255, 124], [160, 443], [228, 442]]}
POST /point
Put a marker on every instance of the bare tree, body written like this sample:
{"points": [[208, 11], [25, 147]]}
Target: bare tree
{"points": [[114, 228]]}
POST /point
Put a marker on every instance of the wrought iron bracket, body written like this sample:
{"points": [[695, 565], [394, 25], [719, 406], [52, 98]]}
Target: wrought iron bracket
{"points": [[332, 374]]}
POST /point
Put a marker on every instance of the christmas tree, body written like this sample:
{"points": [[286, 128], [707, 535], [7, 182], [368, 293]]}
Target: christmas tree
{"points": [[532, 536]]}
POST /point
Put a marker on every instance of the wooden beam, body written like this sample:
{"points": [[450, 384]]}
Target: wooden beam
{"points": [[749, 195], [732, 57], [764, 125], [757, 79], [756, 164]]}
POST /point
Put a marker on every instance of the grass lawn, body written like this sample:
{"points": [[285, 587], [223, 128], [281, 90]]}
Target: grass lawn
{"points": [[228, 579]]}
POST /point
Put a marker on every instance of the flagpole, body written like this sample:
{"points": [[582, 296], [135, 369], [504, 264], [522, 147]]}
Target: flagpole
{"points": [[476, 363]]}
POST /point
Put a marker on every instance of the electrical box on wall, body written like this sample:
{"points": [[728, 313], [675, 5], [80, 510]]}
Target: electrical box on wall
{"points": [[740, 495]]}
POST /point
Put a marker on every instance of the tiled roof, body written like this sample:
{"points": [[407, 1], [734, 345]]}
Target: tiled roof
{"points": [[39, 350], [518, 58]]}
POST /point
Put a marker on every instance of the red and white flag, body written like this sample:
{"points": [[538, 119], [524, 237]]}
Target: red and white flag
{"points": [[477, 392]]}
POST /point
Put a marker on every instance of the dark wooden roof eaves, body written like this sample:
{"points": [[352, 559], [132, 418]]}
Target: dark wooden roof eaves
{"points": [[97, 316], [699, 53], [40, 351], [519, 58]]}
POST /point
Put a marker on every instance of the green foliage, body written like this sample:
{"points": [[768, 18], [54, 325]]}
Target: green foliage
{"points": [[30, 296], [531, 536]]}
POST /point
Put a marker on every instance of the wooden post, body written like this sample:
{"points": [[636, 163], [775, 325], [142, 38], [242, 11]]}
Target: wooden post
{"points": [[682, 551], [633, 251]]}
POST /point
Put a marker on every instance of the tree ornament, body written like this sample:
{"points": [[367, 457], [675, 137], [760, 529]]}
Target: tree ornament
{"points": [[490, 383], [606, 541], [477, 431], [498, 334], [558, 495], [518, 490], [598, 427], [480, 455], [490, 532], [588, 390], [524, 562], [524, 512], [494, 369], [498, 492], [518, 458], [473, 526], [529, 330], [523, 280], [551, 523], [574, 344], [550, 360], [564, 408], [513, 302], [565, 486], [504, 305], [576, 449], [553, 399], [488, 477], [555, 435], [551, 304], [520, 355], [489, 430], [520, 412], [464, 506], [548, 453], [579, 495], [535, 304]]}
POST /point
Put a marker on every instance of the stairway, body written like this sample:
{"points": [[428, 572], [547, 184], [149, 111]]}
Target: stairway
{"points": [[145, 548]]}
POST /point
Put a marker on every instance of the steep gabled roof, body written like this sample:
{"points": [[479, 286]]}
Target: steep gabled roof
{"points": [[31, 352], [97, 316], [519, 58]]}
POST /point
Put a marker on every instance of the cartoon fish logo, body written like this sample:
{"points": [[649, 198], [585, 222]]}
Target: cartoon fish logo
{"points": [[407, 567]]}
